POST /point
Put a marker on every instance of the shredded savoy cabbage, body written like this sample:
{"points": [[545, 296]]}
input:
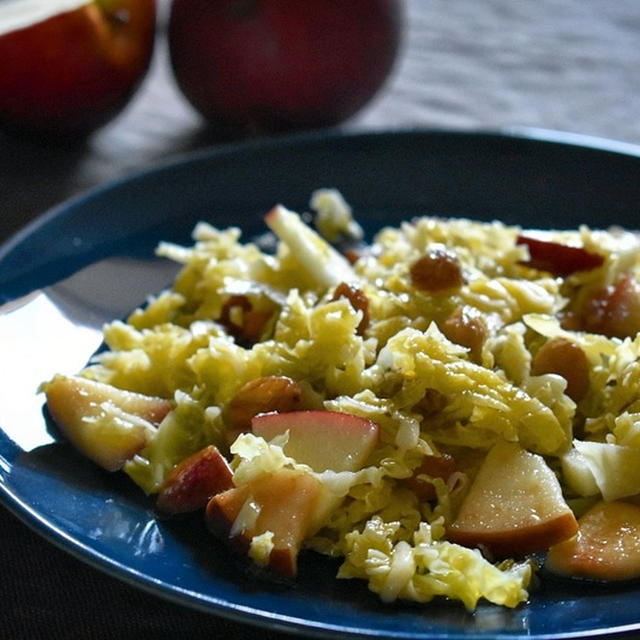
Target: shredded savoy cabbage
{"points": [[428, 391]]}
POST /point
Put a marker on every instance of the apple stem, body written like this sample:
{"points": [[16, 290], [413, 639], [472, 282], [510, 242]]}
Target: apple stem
{"points": [[119, 16]]}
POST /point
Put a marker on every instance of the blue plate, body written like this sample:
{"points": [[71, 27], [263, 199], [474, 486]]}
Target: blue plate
{"points": [[533, 178]]}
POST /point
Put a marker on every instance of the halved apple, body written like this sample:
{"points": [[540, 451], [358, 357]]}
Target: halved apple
{"points": [[289, 503], [107, 424], [191, 484], [514, 506], [606, 546], [321, 439]]}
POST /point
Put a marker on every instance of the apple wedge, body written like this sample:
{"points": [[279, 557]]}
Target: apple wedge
{"points": [[556, 258], [321, 439], [191, 484], [107, 424], [514, 505], [289, 503], [606, 546], [317, 257]]}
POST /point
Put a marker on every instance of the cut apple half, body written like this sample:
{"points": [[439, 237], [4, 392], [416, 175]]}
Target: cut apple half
{"points": [[514, 506], [106, 424], [323, 440]]}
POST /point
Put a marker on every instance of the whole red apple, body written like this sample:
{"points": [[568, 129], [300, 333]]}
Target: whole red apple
{"points": [[68, 68], [271, 65]]}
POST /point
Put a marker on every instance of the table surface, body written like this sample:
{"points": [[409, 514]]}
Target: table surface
{"points": [[557, 64]]}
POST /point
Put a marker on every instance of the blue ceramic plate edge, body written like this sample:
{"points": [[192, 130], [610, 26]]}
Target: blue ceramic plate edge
{"points": [[90, 556]]}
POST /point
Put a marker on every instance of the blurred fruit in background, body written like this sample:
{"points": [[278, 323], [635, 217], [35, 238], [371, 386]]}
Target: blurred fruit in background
{"points": [[69, 67], [261, 66]]}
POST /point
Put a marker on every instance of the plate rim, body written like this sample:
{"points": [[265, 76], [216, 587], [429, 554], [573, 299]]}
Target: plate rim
{"points": [[556, 137], [92, 557]]}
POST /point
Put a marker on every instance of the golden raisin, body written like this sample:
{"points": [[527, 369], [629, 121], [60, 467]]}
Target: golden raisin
{"points": [[267, 393], [242, 321], [613, 311], [352, 254], [436, 271], [435, 467], [358, 301], [466, 327], [566, 359], [431, 403]]}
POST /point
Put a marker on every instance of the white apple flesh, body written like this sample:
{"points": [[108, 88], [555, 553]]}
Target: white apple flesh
{"points": [[106, 424], [321, 439], [606, 546], [514, 506], [316, 256], [19, 14]]}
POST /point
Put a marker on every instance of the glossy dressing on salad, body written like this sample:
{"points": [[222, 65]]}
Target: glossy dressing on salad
{"points": [[438, 408]]}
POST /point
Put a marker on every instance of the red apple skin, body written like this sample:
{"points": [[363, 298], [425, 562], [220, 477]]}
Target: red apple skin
{"points": [[518, 543], [273, 65], [192, 483], [442, 466], [75, 71], [558, 259]]}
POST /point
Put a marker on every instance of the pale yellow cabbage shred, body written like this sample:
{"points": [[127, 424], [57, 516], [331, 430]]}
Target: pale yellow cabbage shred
{"points": [[173, 347]]}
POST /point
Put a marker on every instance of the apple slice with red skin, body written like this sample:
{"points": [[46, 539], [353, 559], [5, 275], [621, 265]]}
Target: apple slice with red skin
{"points": [[73, 70], [606, 546], [191, 484], [556, 258], [75, 404], [514, 505], [321, 439], [290, 503]]}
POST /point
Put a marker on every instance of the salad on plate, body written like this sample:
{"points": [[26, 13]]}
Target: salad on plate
{"points": [[448, 408]]}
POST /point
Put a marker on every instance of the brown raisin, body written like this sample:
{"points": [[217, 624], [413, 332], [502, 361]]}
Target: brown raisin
{"points": [[242, 321], [437, 271], [435, 467], [267, 393], [466, 327], [358, 301], [566, 359]]}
